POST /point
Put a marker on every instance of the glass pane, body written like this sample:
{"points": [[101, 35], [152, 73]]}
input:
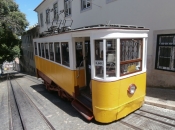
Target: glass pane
{"points": [[65, 53], [84, 4], [165, 51], [88, 3], [57, 52], [130, 68], [164, 62], [111, 58], [42, 47], [47, 50], [35, 48], [99, 58], [39, 48], [79, 54], [130, 49], [51, 51]]}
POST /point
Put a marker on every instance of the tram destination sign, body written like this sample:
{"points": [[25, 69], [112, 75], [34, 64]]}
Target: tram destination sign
{"points": [[99, 63]]}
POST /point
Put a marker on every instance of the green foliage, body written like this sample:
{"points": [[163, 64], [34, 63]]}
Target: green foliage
{"points": [[12, 24]]}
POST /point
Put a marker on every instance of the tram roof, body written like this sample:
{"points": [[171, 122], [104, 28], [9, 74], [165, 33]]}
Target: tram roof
{"points": [[99, 27], [110, 26]]}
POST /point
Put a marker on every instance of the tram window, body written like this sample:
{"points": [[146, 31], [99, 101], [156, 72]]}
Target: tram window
{"points": [[35, 48], [39, 48], [111, 58], [130, 56], [99, 58], [65, 53], [51, 51], [79, 54], [42, 47], [47, 50], [57, 52]]}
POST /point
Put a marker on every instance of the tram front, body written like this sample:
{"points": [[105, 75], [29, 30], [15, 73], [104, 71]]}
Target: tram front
{"points": [[118, 72]]}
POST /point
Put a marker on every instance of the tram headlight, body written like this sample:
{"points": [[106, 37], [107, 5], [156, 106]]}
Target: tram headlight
{"points": [[132, 88]]}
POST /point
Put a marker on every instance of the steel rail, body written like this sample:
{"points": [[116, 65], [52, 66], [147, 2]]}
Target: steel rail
{"points": [[158, 114], [157, 120], [129, 125], [21, 120], [42, 115]]}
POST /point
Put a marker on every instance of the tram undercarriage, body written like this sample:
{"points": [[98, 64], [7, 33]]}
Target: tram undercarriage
{"points": [[81, 101]]}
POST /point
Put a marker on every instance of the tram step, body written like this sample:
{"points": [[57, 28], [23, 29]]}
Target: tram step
{"points": [[85, 102], [82, 110]]}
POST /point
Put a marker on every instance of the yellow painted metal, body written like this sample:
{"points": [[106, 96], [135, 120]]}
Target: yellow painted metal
{"points": [[62, 76], [80, 78], [111, 101]]}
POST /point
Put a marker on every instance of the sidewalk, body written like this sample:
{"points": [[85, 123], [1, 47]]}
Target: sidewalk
{"points": [[160, 97]]}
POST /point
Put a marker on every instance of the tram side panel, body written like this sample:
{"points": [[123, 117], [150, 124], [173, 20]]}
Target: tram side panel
{"points": [[67, 79], [111, 100]]}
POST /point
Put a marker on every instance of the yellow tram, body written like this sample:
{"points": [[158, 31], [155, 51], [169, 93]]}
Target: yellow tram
{"points": [[100, 69]]}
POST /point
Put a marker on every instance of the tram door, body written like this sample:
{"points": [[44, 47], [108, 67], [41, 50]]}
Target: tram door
{"points": [[83, 61], [88, 63]]}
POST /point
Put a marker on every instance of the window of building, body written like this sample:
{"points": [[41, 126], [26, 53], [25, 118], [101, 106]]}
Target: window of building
{"points": [[165, 53], [51, 51], [39, 49], [55, 11], [108, 1], [42, 48], [35, 48], [65, 53], [47, 16], [57, 52], [47, 50], [85, 4], [67, 7], [79, 54], [130, 56], [41, 20]]}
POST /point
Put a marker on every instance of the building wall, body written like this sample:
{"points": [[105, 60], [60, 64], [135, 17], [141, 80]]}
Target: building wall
{"points": [[27, 61], [153, 14]]}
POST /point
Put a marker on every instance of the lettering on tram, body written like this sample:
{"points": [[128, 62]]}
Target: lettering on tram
{"points": [[100, 69]]}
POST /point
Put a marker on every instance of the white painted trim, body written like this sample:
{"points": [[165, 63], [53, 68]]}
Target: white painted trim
{"points": [[71, 61], [104, 59], [143, 53], [92, 56], [146, 45], [110, 79], [118, 58]]}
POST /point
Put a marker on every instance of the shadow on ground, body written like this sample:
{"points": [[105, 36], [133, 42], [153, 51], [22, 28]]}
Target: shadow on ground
{"points": [[161, 93], [56, 100]]}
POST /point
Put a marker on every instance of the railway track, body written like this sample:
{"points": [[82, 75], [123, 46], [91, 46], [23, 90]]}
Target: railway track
{"points": [[28, 111], [24, 114], [157, 117]]}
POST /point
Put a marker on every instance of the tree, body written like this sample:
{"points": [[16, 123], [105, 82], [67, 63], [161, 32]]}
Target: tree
{"points": [[12, 24]]}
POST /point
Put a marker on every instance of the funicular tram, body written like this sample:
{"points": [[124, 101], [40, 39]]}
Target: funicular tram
{"points": [[100, 69]]}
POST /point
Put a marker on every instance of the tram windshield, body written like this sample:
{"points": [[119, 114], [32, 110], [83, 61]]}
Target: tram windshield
{"points": [[130, 57]]}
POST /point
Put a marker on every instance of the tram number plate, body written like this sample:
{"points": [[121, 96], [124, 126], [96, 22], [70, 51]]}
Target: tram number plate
{"points": [[98, 63]]}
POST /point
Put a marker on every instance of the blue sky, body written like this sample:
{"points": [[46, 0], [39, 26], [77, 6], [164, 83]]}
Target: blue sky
{"points": [[27, 7]]}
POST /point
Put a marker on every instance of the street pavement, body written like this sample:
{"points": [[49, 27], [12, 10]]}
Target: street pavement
{"points": [[161, 97], [61, 115]]}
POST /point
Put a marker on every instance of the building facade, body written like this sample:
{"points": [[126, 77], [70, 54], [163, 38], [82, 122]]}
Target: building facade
{"points": [[156, 15], [27, 62]]}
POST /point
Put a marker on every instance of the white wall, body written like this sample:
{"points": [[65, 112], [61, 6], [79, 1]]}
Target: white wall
{"points": [[152, 14]]}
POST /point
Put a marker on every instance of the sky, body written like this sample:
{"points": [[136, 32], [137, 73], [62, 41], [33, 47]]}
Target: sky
{"points": [[27, 7]]}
